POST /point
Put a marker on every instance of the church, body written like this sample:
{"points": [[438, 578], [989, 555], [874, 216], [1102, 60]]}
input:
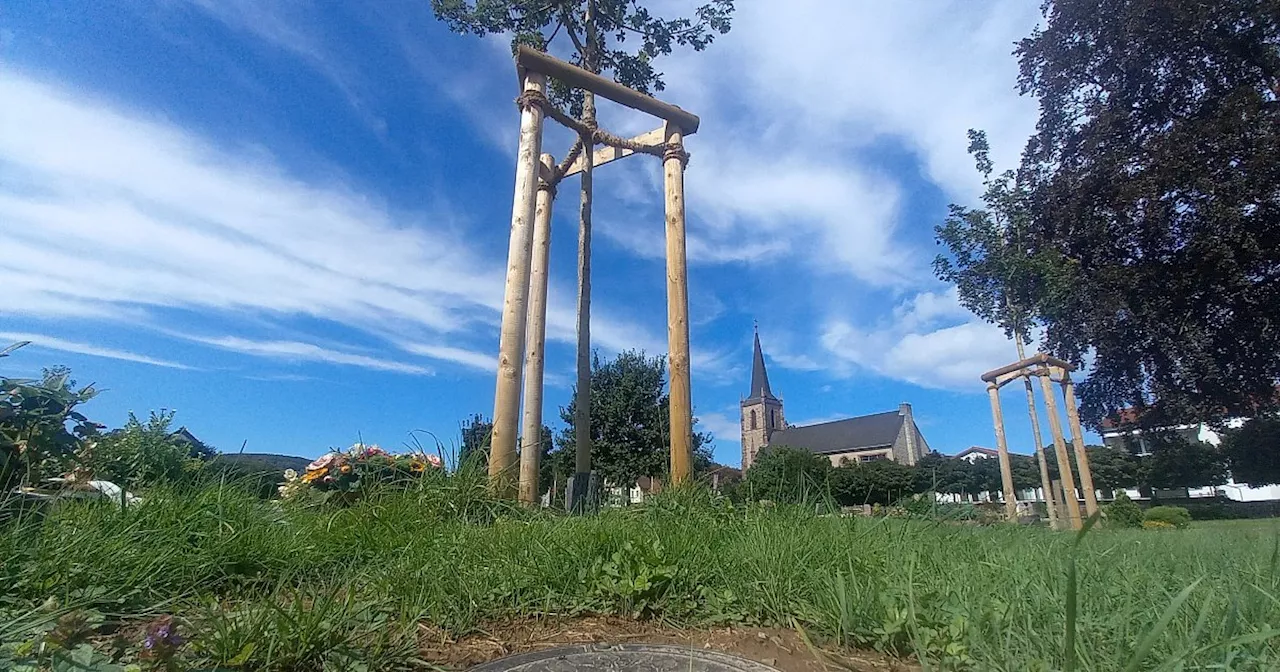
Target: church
{"points": [[892, 435]]}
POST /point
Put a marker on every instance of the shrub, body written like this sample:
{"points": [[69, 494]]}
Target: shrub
{"points": [[1218, 510], [1175, 516], [40, 428], [1123, 512], [140, 455], [1157, 525]]}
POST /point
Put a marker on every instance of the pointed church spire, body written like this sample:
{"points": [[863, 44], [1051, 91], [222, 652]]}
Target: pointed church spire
{"points": [[759, 377]]}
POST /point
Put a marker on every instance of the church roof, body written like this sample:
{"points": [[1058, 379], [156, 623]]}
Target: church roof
{"points": [[867, 431], [759, 376]]}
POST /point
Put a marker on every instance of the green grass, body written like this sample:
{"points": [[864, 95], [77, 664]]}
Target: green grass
{"points": [[258, 586]]}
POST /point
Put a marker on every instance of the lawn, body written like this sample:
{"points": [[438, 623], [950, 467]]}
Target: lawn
{"points": [[257, 585]]}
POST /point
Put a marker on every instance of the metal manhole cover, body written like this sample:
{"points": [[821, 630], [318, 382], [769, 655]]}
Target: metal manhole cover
{"points": [[624, 658]]}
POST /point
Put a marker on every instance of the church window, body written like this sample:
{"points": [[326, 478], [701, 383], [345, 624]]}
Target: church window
{"points": [[773, 418], [753, 419]]}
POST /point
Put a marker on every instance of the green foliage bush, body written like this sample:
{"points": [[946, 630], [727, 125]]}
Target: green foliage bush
{"points": [[40, 428], [1123, 512], [1216, 510], [140, 455], [881, 482], [1176, 516]]}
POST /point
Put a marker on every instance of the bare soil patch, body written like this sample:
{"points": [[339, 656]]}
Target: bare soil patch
{"points": [[783, 649]]}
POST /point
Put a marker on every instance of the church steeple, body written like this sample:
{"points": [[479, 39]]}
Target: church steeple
{"points": [[759, 376], [761, 412]]}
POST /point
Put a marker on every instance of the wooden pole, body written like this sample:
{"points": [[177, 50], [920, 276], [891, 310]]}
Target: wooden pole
{"points": [[1002, 447], [506, 398], [1077, 442], [1041, 463], [536, 339], [673, 161], [1071, 502]]}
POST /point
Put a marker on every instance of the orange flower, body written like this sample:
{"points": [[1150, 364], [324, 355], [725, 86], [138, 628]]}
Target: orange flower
{"points": [[314, 475], [346, 469]]}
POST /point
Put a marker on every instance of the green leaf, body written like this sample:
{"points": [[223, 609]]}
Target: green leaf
{"points": [[12, 347]]}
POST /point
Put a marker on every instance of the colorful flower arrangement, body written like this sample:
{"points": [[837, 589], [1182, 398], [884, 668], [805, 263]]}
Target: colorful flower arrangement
{"points": [[344, 473]]}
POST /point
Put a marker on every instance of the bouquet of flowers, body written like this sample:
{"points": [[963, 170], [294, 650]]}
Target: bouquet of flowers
{"points": [[344, 473]]}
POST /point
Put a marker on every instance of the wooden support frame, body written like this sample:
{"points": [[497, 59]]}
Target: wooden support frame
{"points": [[1049, 370], [524, 304]]}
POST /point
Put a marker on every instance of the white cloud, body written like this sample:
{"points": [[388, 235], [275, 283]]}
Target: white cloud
{"points": [[929, 342], [51, 343], [111, 215], [307, 352], [476, 360], [721, 426]]}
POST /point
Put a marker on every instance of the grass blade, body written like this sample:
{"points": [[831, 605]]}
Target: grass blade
{"points": [[1148, 641]]}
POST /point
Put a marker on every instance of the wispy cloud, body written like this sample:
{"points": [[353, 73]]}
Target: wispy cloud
{"points": [[308, 352], [469, 358], [161, 219], [52, 343]]}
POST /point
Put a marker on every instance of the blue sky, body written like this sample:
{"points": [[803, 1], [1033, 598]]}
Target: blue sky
{"points": [[288, 220]]}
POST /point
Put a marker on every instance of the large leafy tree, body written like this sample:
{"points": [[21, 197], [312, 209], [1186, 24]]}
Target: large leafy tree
{"points": [[630, 428], [477, 432], [786, 474], [1153, 205], [618, 38], [1176, 462], [880, 482], [1112, 468], [1253, 451]]}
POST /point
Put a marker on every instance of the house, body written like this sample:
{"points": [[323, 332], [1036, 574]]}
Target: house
{"points": [[974, 453], [720, 476], [891, 435], [1123, 432]]}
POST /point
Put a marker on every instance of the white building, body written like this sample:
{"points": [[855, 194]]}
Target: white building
{"points": [[1124, 436]]}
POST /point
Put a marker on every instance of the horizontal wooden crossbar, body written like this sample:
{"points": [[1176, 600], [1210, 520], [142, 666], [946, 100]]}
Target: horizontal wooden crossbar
{"points": [[528, 59], [1033, 360], [607, 153]]}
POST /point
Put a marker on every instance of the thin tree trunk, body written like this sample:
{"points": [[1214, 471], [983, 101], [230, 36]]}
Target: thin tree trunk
{"points": [[582, 413], [1041, 463]]}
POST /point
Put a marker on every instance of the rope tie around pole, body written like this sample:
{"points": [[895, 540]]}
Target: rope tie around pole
{"points": [[676, 151], [549, 187], [533, 98]]}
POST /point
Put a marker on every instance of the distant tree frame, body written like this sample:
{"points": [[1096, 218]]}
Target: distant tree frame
{"points": [[523, 334], [1049, 370]]}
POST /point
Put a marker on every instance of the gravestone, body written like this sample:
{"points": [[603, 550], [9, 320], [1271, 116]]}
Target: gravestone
{"points": [[624, 658]]}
